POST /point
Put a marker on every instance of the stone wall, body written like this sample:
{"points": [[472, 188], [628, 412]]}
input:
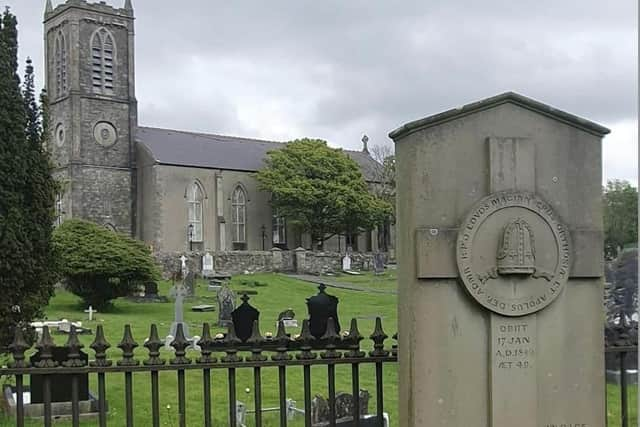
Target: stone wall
{"points": [[237, 262]]}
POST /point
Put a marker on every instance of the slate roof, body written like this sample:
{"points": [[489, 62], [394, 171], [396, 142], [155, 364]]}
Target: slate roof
{"points": [[211, 151], [503, 98]]}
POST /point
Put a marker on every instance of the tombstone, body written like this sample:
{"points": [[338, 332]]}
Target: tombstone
{"points": [[321, 307], [151, 290], [346, 263], [226, 304], [178, 292], [60, 383], [243, 318], [190, 284], [90, 311], [207, 265], [288, 319], [378, 263], [500, 263], [344, 410]]}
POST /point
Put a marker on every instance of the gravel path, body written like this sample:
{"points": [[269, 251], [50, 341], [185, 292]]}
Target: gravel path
{"points": [[331, 282]]}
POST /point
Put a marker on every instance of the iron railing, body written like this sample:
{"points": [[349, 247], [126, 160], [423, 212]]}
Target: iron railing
{"points": [[223, 351], [621, 353]]}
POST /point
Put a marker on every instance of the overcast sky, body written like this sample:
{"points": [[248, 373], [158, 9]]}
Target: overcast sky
{"points": [[335, 69]]}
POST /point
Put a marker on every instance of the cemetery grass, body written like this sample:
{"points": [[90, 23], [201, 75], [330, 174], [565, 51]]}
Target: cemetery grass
{"points": [[275, 294], [387, 281], [613, 405]]}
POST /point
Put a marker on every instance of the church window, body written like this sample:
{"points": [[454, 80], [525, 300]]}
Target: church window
{"points": [[59, 212], [238, 216], [279, 226], [102, 61], [194, 202], [60, 58]]}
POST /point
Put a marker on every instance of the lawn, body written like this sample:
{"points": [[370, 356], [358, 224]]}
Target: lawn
{"points": [[275, 294]]}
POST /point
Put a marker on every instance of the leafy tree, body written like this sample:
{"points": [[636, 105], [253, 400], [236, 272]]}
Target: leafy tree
{"points": [[620, 201], [321, 190], [27, 260], [100, 265], [621, 296]]}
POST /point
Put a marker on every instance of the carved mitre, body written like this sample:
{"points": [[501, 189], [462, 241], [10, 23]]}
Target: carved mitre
{"points": [[516, 254]]}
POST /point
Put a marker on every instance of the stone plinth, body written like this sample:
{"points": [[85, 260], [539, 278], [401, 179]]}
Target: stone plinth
{"points": [[500, 267]]}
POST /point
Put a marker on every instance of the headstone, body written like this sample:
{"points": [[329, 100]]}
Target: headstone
{"points": [[346, 263], [91, 311], [190, 284], [500, 259], [151, 290], [243, 318], [178, 292], [207, 265], [344, 410], [226, 305], [288, 319], [60, 383], [378, 263], [322, 307]]}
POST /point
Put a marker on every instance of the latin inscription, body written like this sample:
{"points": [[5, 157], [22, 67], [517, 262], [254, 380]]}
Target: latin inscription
{"points": [[513, 347], [548, 285]]}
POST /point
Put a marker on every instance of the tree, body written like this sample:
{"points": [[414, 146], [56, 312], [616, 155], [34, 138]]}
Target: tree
{"points": [[385, 188], [321, 190], [620, 202], [27, 259], [621, 296], [100, 265]]}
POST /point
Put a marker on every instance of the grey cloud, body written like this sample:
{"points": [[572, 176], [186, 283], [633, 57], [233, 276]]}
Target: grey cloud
{"points": [[336, 68]]}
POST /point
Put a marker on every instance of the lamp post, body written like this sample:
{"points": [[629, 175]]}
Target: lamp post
{"points": [[190, 237], [264, 235]]}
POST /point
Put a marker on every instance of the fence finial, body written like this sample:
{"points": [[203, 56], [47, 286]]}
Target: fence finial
{"points": [[378, 336], [45, 350], [100, 346], [154, 345], [127, 345], [17, 348], [206, 344], [180, 344]]}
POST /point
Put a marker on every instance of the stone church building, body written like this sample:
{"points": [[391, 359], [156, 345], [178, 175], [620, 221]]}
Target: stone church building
{"points": [[175, 190]]}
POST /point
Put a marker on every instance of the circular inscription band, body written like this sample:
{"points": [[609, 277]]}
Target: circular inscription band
{"points": [[513, 254]]}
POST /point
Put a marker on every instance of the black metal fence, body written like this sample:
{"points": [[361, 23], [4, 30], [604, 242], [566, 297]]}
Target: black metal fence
{"points": [[239, 348], [624, 358]]}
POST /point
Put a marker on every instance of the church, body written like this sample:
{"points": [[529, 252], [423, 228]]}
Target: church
{"points": [[175, 190]]}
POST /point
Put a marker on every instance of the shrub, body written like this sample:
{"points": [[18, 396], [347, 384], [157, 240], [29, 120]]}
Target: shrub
{"points": [[100, 265]]}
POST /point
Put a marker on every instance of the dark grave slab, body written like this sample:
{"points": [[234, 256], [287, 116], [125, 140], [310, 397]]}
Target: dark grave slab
{"points": [[60, 383], [203, 307]]}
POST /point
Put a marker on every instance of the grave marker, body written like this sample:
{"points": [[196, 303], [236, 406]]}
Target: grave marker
{"points": [[500, 267]]}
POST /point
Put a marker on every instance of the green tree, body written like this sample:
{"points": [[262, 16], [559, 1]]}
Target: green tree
{"points": [[321, 190], [100, 265], [620, 201], [27, 260]]}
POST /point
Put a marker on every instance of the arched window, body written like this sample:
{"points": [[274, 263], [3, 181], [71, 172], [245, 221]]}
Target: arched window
{"points": [[102, 59], [60, 57], [238, 216], [194, 202]]}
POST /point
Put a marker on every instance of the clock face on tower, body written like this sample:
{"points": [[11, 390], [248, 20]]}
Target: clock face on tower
{"points": [[105, 134], [60, 134]]}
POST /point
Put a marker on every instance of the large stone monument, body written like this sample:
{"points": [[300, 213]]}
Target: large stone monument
{"points": [[500, 259]]}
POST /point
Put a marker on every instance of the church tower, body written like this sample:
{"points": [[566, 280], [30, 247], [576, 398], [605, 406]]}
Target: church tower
{"points": [[90, 81]]}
